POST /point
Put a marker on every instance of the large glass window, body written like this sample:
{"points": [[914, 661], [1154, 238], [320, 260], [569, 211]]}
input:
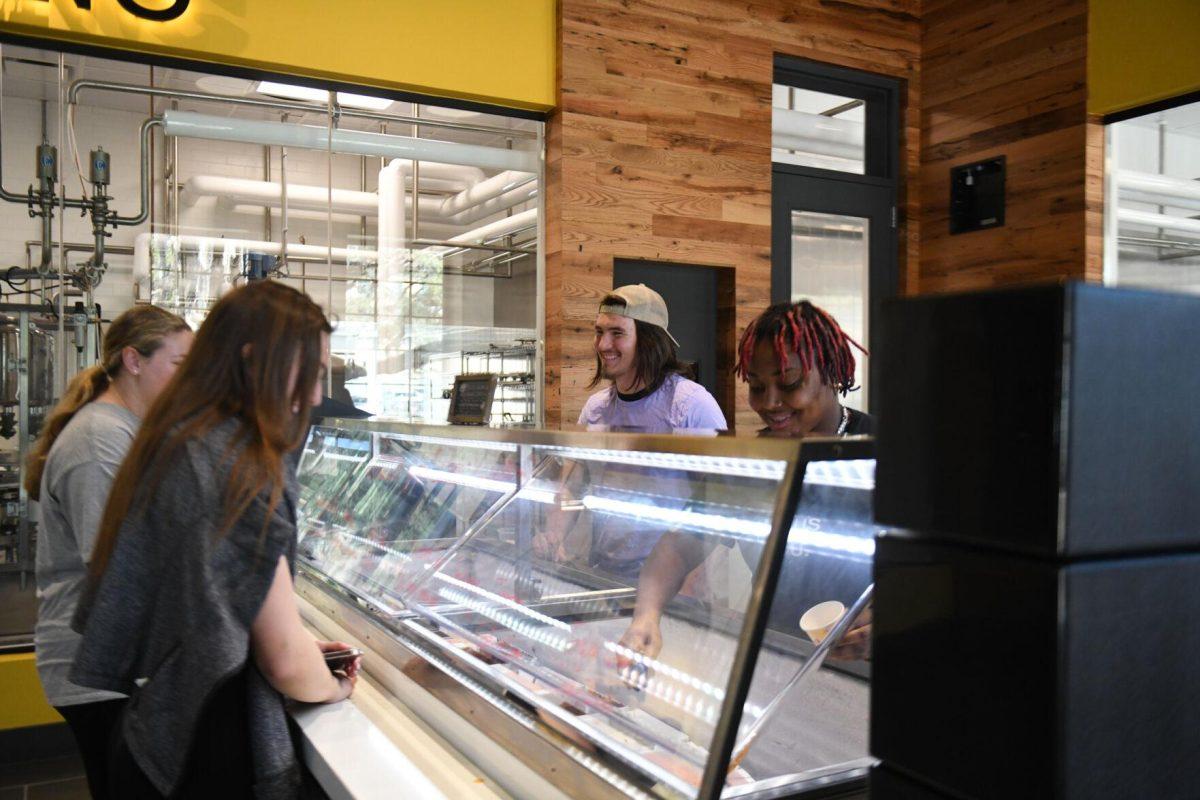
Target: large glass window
{"points": [[414, 225], [1152, 200]]}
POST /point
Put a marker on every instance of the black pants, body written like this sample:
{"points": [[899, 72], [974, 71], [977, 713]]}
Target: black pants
{"points": [[219, 764], [92, 725]]}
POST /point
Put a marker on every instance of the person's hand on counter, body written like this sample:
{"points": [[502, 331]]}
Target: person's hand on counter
{"points": [[642, 636], [288, 656], [550, 544], [349, 669], [856, 644]]}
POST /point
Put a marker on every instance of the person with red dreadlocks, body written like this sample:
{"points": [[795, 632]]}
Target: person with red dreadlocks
{"points": [[798, 363]]}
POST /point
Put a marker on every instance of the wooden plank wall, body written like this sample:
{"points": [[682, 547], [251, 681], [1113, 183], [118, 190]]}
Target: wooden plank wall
{"points": [[660, 147], [1009, 78]]}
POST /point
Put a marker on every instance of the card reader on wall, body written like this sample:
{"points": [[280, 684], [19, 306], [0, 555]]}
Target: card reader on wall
{"points": [[977, 195]]}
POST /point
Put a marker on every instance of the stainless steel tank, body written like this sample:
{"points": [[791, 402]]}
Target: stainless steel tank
{"points": [[9, 361], [40, 360]]}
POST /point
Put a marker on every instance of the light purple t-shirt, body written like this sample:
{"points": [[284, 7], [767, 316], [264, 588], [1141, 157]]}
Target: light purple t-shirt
{"points": [[678, 403]]}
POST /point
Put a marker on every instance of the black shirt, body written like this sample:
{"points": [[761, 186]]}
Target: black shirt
{"points": [[859, 424]]}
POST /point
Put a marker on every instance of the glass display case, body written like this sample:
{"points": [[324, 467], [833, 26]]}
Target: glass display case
{"points": [[633, 600]]}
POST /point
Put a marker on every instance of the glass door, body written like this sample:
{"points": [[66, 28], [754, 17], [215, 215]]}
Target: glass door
{"points": [[835, 141]]}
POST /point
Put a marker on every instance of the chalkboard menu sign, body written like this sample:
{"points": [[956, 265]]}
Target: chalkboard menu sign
{"points": [[471, 400]]}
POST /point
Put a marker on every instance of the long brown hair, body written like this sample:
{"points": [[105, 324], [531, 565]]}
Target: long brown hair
{"points": [[144, 328], [239, 367]]}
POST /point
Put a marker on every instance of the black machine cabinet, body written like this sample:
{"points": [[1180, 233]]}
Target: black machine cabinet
{"points": [[1034, 625], [1058, 420]]}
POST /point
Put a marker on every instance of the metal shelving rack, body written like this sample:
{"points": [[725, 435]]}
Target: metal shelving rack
{"points": [[513, 365]]}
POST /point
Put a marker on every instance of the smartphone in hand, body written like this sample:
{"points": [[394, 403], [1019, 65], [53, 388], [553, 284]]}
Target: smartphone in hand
{"points": [[338, 660]]}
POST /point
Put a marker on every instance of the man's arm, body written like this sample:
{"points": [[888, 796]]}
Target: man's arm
{"points": [[670, 562]]}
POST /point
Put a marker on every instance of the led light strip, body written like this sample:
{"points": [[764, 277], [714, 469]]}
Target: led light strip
{"points": [[682, 695], [487, 484], [496, 599], [477, 444], [719, 465], [839, 542], [377, 545], [509, 620], [679, 517], [856, 473], [340, 457]]}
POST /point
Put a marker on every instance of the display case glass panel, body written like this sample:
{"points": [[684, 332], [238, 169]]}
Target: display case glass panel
{"points": [[813, 723], [607, 582], [546, 588], [377, 508]]}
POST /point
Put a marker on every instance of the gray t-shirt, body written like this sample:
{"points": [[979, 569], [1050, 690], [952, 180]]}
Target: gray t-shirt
{"points": [[677, 404], [79, 473]]}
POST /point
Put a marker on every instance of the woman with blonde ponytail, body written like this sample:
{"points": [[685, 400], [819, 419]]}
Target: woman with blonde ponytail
{"points": [[70, 471]]}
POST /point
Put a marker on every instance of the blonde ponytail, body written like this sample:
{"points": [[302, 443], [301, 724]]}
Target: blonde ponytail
{"points": [[143, 328]]}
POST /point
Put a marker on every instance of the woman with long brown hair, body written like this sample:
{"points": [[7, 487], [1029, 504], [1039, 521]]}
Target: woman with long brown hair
{"points": [[69, 472], [191, 609]]}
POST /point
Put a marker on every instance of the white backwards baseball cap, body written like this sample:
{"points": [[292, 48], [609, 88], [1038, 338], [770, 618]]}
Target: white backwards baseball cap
{"points": [[641, 303]]}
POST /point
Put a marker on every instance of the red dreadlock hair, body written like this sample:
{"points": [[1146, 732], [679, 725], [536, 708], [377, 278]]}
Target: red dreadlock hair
{"points": [[810, 332]]}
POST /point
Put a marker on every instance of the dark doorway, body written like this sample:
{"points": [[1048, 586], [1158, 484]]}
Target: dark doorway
{"points": [[700, 319]]}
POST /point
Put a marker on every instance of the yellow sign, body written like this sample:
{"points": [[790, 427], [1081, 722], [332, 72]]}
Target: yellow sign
{"points": [[501, 53], [1140, 53]]}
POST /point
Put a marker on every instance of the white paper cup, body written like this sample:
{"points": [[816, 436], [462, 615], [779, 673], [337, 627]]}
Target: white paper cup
{"points": [[820, 619]]}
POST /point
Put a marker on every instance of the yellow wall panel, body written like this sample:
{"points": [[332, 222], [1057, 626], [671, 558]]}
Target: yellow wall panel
{"points": [[22, 703], [481, 50], [1141, 52]]}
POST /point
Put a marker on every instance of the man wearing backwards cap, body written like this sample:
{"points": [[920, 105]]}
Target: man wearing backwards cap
{"points": [[635, 352]]}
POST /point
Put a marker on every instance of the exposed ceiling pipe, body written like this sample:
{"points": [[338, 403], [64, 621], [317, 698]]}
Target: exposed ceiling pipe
{"points": [[497, 228], [1146, 187], [436, 230], [267, 193], [341, 140], [223, 245], [816, 133], [1153, 220], [468, 206], [497, 193], [391, 238]]}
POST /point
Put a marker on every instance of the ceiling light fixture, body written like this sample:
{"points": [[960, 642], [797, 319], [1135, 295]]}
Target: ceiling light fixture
{"points": [[289, 91]]}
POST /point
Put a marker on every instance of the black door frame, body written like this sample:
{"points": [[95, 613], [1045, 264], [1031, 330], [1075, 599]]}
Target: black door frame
{"points": [[873, 195]]}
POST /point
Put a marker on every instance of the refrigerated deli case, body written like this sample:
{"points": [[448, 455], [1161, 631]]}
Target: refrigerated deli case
{"points": [[500, 571]]}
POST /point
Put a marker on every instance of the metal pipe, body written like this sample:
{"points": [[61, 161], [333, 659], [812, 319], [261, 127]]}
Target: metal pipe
{"points": [[279, 105], [1161, 190], [283, 209], [539, 357], [1163, 221], [460, 246], [266, 179], [75, 247], [47, 237], [150, 103], [314, 137], [416, 178], [145, 136]]}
